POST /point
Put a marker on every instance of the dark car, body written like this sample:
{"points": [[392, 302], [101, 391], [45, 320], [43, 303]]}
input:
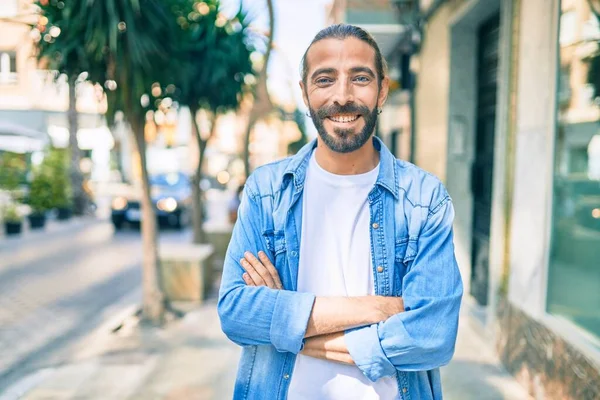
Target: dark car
{"points": [[171, 196]]}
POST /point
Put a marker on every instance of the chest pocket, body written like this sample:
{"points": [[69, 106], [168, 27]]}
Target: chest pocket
{"points": [[276, 250], [275, 242], [404, 254], [407, 228]]}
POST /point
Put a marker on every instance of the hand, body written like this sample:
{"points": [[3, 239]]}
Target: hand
{"points": [[260, 271]]}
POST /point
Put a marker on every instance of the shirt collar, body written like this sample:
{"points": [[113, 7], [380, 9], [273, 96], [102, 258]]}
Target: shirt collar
{"points": [[388, 169]]}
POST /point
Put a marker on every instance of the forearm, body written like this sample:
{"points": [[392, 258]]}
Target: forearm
{"points": [[260, 315], [330, 347], [338, 314]]}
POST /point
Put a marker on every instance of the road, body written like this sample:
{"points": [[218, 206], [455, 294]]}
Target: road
{"points": [[57, 287]]}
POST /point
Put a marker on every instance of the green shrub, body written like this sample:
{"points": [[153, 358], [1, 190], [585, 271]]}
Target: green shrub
{"points": [[10, 213], [13, 168], [40, 191], [56, 165]]}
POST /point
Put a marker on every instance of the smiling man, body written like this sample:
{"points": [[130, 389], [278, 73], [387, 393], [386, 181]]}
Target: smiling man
{"points": [[340, 281]]}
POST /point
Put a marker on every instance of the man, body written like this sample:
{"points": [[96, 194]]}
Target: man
{"points": [[340, 281]]}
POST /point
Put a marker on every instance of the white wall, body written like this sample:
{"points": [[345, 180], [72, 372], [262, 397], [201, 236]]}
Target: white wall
{"points": [[431, 97], [535, 132]]}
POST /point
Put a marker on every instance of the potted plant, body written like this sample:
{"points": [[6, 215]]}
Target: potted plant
{"points": [[39, 199], [56, 163], [13, 221]]}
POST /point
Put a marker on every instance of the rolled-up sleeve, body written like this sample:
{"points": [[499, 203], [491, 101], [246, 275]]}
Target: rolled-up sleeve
{"points": [[258, 315], [423, 337]]}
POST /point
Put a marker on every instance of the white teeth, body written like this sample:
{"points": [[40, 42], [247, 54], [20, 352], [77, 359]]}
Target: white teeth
{"points": [[344, 119]]}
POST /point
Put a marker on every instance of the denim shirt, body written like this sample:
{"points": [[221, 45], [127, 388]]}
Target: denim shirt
{"points": [[413, 257]]}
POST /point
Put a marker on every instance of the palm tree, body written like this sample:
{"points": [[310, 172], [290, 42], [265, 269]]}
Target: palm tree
{"points": [[262, 102], [214, 60], [62, 50], [126, 46]]}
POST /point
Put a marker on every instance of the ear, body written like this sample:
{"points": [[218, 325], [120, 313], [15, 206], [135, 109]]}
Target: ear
{"points": [[383, 92], [303, 90]]}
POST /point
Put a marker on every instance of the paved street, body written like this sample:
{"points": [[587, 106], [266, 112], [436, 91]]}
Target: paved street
{"points": [[58, 286]]}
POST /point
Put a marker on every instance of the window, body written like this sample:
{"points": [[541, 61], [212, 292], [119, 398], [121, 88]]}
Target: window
{"points": [[8, 67], [574, 270]]}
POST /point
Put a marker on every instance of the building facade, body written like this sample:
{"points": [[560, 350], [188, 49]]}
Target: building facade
{"points": [[35, 101], [507, 113]]}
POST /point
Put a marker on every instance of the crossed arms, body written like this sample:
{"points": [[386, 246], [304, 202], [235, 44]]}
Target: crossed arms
{"points": [[330, 316], [381, 335]]}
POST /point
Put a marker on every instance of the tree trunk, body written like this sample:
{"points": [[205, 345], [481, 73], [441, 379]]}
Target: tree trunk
{"points": [[79, 196], [262, 102], [251, 122], [153, 297], [197, 200]]}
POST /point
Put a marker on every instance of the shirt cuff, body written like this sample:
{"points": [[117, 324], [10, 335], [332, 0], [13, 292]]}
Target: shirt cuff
{"points": [[290, 319], [366, 352]]}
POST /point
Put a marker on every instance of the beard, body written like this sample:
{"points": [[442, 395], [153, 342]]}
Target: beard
{"points": [[344, 140]]}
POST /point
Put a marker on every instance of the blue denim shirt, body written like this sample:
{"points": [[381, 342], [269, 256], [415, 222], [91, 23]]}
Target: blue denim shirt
{"points": [[413, 257]]}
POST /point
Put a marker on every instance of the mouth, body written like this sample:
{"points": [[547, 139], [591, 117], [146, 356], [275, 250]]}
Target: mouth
{"points": [[344, 118]]}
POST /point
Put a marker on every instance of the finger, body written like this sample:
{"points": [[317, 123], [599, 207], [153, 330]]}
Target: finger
{"points": [[261, 269], [248, 279], [258, 281], [271, 268]]}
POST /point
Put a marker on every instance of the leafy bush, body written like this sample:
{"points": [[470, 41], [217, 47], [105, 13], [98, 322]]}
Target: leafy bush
{"points": [[56, 165], [40, 191], [13, 168], [10, 213]]}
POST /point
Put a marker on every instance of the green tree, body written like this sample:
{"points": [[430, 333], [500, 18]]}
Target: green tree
{"points": [[60, 47], [262, 101], [126, 45], [213, 62]]}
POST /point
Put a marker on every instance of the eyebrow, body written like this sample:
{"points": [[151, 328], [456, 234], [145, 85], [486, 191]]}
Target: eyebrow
{"points": [[353, 70], [366, 70], [323, 71]]}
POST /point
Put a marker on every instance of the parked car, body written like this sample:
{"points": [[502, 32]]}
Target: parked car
{"points": [[171, 196]]}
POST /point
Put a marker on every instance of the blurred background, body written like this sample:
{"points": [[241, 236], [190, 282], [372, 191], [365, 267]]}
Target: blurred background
{"points": [[127, 129]]}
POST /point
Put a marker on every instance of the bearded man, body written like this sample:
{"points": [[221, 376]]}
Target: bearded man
{"points": [[340, 281]]}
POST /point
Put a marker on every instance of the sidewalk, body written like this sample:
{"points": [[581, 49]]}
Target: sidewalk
{"points": [[475, 372], [192, 359], [32, 244], [53, 227]]}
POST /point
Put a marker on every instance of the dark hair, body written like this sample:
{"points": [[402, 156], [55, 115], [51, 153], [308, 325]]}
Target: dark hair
{"points": [[341, 32]]}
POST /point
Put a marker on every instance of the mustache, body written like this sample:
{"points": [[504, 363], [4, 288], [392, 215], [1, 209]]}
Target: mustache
{"points": [[328, 111]]}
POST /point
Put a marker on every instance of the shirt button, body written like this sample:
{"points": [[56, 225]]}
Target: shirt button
{"points": [[294, 254], [404, 390], [375, 225], [286, 376], [380, 269]]}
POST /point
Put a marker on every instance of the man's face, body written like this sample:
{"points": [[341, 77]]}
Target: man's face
{"points": [[342, 92]]}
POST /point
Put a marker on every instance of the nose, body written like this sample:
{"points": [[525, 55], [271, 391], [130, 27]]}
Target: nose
{"points": [[344, 93]]}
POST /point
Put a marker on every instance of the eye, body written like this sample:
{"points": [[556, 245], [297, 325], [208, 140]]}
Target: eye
{"points": [[362, 79], [323, 81]]}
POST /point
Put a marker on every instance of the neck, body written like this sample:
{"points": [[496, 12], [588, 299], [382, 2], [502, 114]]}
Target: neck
{"points": [[357, 162]]}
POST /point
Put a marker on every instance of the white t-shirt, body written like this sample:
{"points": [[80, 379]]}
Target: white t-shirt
{"points": [[335, 260]]}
